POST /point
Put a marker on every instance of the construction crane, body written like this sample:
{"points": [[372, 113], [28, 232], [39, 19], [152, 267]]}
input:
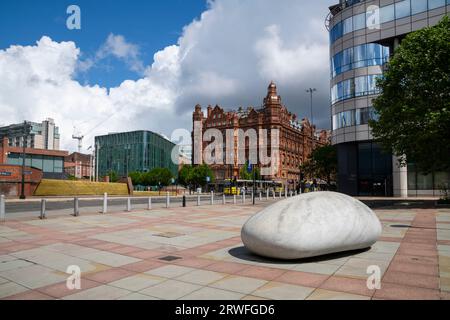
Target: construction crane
{"points": [[78, 136]]}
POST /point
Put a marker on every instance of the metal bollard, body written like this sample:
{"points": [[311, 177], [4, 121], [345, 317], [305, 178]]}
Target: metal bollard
{"points": [[105, 203], [234, 199], [212, 197], [290, 193], [43, 215], [280, 195], [198, 201], [184, 201], [286, 193], [273, 194], [224, 199], [267, 195], [128, 204], [243, 198], [168, 200], [260, 196], [2, 208], [76, 210], [149, 207]]}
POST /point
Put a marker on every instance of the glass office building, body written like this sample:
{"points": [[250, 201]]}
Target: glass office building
{"points": [[363, 35], [128, 152]]}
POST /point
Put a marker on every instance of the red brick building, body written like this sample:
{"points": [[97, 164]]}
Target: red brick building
{"points": [[79, 165], [39, 163], [11, 180], [296, 142]]}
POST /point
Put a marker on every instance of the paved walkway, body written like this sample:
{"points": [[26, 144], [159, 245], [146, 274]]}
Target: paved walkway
{"points": [[196, 253]]}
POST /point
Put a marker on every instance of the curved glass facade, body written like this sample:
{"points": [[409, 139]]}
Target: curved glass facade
{"points": [[354, 87], [352, 118], [388, 13], [365, 55]]}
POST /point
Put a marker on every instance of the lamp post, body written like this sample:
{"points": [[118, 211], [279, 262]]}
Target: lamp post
{"points": [[311, 92], [24, 145]]}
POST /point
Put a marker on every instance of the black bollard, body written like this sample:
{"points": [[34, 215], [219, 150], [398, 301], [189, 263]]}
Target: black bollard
{"points": [[184, 201]]}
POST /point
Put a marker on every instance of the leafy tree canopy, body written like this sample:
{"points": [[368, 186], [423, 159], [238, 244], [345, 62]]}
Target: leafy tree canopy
{"points": [[414, 107], [322, 163]]}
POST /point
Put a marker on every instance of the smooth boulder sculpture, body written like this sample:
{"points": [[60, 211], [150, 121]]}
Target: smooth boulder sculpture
{"points": [[310, 225]]}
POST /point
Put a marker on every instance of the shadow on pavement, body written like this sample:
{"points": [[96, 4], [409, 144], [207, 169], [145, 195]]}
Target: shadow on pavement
{"points": [[244, 254]]}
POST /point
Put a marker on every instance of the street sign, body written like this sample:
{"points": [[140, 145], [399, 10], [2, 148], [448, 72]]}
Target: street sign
{"points": [[250, 167], [5, 174], [208, 179]]}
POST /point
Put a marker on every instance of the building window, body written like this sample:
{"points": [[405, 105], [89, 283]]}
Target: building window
{"points": [[402, 9], [418, 6], [433, 4]]}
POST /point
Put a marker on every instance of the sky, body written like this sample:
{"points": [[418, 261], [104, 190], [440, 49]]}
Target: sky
{"points": [[144, 65]]}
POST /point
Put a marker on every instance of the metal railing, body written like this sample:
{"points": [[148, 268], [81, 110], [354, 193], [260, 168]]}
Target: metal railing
{"points": [[108, 204]]}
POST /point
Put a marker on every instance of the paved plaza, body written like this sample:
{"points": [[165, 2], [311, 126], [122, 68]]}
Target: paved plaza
{"points": [[196, 253]]}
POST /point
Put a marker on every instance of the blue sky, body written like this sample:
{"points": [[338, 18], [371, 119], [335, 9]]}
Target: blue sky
{"points": [[150, 24], [145, 64]]}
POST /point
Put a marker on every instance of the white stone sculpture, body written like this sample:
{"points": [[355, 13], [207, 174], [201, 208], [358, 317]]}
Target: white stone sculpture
{"points": [[310, 225]]}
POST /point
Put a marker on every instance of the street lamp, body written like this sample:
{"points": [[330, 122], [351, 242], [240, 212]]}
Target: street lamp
{"points": [[24, 145], [311, 92]]}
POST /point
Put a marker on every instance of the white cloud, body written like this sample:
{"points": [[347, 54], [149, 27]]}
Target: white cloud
{"points": [[227, 57], [119, 47]]}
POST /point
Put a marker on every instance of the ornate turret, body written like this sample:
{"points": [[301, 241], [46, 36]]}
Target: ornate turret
{"points": [[272, 98]]}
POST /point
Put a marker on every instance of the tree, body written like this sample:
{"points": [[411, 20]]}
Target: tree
{"points": [[322, 163], [414, 107], [113, 177], [199, 174], [157, 177], [245, 175], [184, 176], [136, 178]]}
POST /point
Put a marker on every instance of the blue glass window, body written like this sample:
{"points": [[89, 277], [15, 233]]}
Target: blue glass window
{"points": [[347, 59], [348, 25], [387, 13], [359, 21], [402, 9], [372, 84], [357, 57], [433, 4], [418, 6], [360, 86]]}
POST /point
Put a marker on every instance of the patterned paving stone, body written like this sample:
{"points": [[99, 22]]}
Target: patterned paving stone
{"points": [[120, 258]]}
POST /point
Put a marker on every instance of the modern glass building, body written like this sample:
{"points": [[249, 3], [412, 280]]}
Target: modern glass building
{"points": [[128, 152], [363, 35]]}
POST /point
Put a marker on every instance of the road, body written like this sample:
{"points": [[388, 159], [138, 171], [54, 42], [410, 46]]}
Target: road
{"points": [[57, 207]]}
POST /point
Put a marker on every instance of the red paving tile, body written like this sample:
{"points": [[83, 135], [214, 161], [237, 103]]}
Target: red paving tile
{"points": [[416, 259], [401, 292], [194, 262], [142, 266], [106, 246], [124, 250], [413, 280], [60, 290], [29, 295], [415, 268], [263, 273], [110, 275], [303, 278], [348, 285], [226, 267], [144, 254], [20, 247]]}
